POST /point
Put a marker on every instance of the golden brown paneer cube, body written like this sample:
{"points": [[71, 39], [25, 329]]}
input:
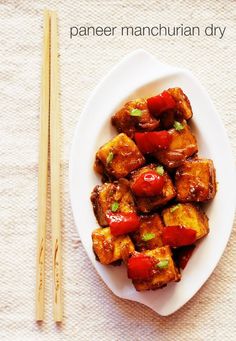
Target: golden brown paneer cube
{"points": [[118, 157], [182, 110], [195, 180], [109, 248], [134, 116], [188, 216], [162, 275], [183, 105], [148, 236], [148, 204], [182, 146], [115, 197]]}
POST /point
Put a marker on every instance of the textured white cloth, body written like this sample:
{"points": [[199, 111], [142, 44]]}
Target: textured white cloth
{"points": [[92, 312]]}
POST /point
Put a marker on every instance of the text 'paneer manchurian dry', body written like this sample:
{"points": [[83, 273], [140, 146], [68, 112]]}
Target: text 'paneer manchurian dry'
{"points": [[148, 206]]}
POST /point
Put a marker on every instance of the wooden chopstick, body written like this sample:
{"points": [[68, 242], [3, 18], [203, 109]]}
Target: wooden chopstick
{"points": [[55, 173], [43, 170], [49, 113]]}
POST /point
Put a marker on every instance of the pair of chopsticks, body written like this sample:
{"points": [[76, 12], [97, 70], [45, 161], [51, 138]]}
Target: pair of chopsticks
{"points": [[49, 134]]}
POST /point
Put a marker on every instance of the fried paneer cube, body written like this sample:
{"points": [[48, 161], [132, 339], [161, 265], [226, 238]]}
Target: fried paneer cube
{"points": [[183, 105], [182, 110], [110, 249], [188, 216], [118, 157], [161, 276], [148, 204], [182, 146], [114, 196], [148, 236], [195, 180], [134, 116]]}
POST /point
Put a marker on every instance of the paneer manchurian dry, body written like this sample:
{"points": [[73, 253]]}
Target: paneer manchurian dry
{"points": [[148, 205]]}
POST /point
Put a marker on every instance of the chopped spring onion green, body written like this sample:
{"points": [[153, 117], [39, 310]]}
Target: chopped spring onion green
{"points": [[178, 126], [160, 170], [114, 206], [109, 157], [163, 264], [174, 208], [148, 236], [136, 112]]}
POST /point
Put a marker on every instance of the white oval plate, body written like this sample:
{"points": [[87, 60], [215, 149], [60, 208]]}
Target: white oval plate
{"points": [[140, 75]]}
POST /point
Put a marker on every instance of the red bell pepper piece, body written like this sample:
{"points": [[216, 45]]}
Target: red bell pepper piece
{"points": [[140, 267], [183, 255], [176, 236], [122, 223], [152, 141], [148, 184], [160, 103]]}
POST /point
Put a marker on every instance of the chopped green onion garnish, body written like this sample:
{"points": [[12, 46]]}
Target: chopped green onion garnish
{"points": [[160, 170], [163, 264], [136, 112], [148, 236], [110, 157], [174, 208], [114, 206], [178, 126]]}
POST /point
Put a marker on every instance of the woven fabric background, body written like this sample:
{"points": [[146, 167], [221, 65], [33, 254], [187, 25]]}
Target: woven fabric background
{"points": [[92, 312]]}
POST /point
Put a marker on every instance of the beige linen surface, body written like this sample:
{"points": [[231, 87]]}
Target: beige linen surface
{"points": [[92, 312]]}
